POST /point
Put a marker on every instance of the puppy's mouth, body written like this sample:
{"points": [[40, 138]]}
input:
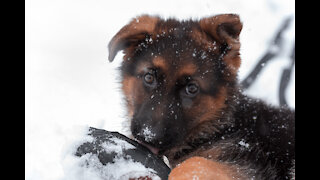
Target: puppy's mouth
{"points": [[153, 149]]}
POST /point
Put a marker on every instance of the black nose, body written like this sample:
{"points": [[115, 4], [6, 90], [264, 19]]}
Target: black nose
{"points": [[159, 127], [152, 135]]}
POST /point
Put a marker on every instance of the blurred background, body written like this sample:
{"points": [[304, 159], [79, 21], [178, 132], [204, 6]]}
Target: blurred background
{"points": [[70, 83]]}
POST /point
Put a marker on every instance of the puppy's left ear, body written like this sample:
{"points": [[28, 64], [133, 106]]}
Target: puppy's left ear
{"points": [[225, 29], [131, 34]]}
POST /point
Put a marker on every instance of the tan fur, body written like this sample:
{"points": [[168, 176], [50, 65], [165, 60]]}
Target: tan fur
{"points": [[202, 169], [220, 28], [130, 89], [201, 38], [134, 31], [161, 63], [186, 70], [208, 107]]}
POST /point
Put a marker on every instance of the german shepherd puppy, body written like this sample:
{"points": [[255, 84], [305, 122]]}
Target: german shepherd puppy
{"points": [[180, 83]]}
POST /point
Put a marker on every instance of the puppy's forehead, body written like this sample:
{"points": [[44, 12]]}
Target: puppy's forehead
{"points": [[182, 68], [170, 67], [160, 62]]}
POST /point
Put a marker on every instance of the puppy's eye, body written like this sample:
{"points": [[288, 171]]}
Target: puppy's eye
{"points": [[192, 88], [149, 78]]}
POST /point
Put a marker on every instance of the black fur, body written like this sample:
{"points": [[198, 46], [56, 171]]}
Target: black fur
{"points": [[256, 138]]}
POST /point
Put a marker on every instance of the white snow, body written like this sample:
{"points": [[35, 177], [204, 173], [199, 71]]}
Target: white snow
{"points": [[88, 166], [148, 134], [243, 143], [117, 145], [71, 85]]}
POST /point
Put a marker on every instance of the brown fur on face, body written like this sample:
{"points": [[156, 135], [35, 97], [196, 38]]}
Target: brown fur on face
{"points": [[202, 53], [131, 33]]}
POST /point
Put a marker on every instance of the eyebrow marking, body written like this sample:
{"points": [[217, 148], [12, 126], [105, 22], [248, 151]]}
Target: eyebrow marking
{"points": [[142, 67], [160, 63], [187, 70]]}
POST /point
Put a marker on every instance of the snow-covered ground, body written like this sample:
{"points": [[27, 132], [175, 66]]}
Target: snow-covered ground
{"points": [[71, 85]]}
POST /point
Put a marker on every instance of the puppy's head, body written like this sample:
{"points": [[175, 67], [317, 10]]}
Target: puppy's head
{"points": [[177, 75]]}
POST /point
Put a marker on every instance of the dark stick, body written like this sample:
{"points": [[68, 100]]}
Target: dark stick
{"points": [[273, 50]]}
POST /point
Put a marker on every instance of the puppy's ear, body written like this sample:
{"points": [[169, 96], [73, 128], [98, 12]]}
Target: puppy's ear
{"points": [[131, 34], [225, 29]]}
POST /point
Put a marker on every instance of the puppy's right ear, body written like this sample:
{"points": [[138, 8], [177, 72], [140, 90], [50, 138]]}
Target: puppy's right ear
{"points": [[131, 34]]}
